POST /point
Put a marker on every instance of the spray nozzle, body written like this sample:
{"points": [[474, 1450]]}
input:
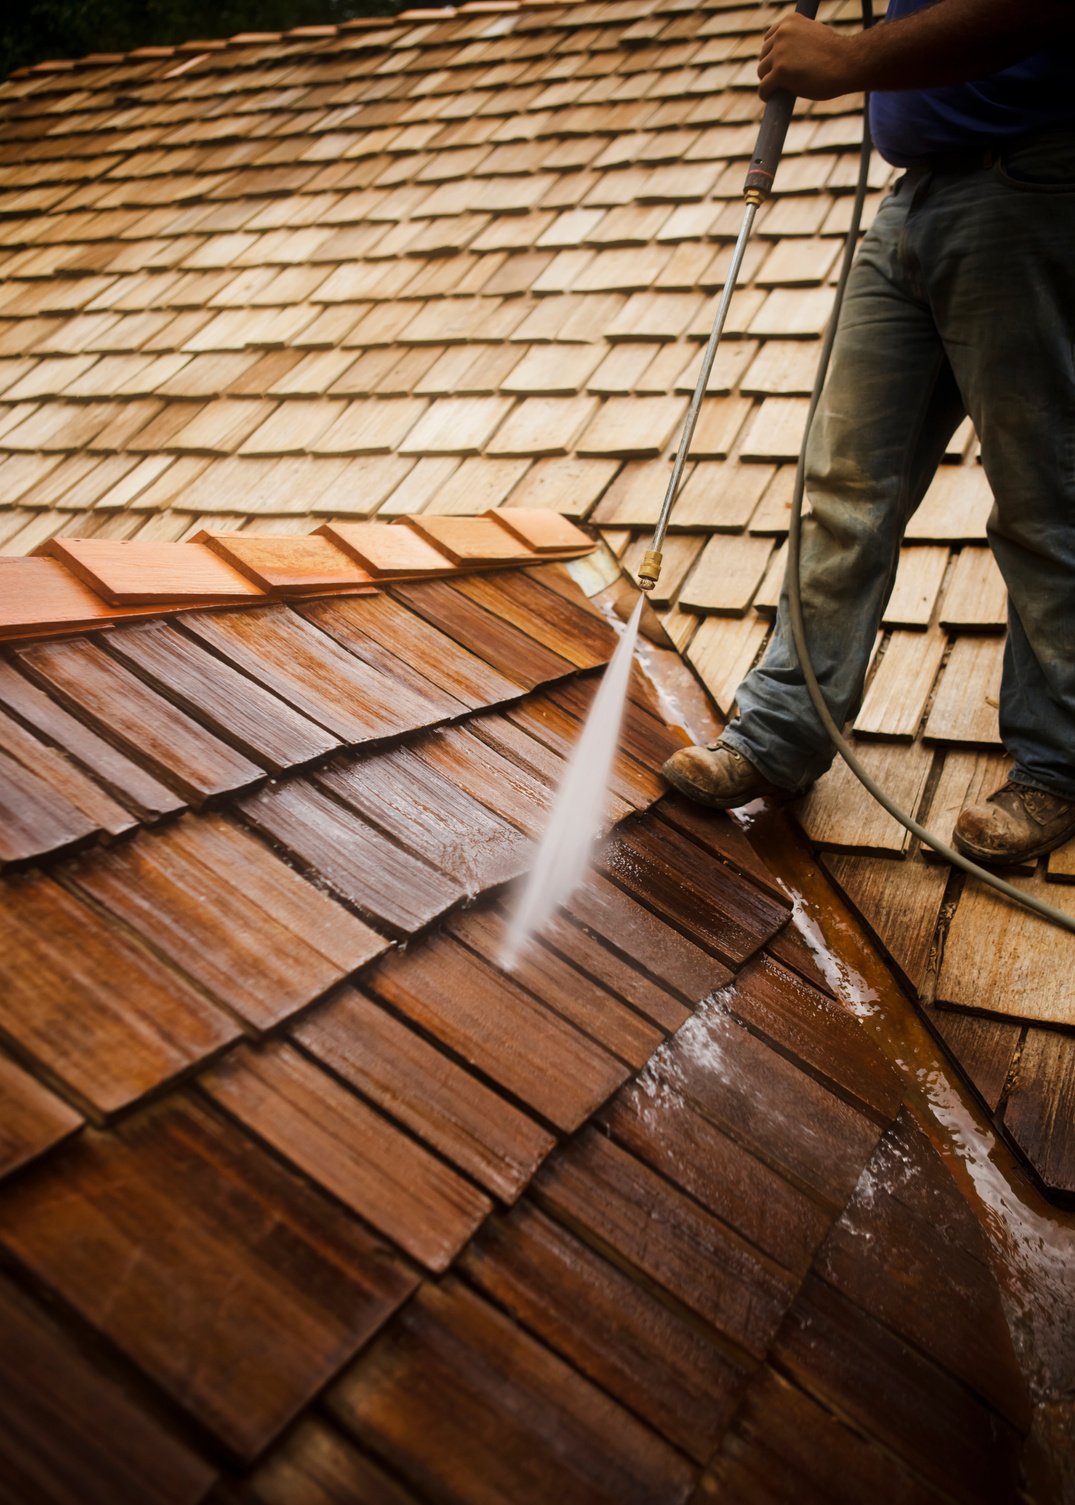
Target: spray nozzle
{"points": [[649, 571]]}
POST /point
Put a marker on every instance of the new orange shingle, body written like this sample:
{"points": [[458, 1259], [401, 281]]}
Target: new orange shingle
{"points": [[542, 531], [386, 550], [470, 540], [300, 565], [44, 595], [128, 572]]}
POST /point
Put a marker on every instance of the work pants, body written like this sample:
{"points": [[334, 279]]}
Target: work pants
{"points": [[961, 300]]}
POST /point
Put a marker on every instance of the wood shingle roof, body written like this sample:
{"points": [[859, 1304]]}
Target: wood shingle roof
{"points": [[314, 347]]}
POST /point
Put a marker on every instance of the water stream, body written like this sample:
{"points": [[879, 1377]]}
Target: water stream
{"points": [[576, 817]]}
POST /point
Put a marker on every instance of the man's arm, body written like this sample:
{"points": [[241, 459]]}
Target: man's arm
{"points": [[947, 43]]}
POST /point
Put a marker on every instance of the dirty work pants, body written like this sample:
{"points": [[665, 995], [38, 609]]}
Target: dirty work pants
{"points": [[962, 300]]}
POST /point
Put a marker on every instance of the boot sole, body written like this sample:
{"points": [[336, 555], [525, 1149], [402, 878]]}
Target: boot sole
{"points": [[991, 859], [722, 802]]}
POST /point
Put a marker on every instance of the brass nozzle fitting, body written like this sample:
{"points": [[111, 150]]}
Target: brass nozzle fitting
{"points": [[649, 571], [755, 196]]}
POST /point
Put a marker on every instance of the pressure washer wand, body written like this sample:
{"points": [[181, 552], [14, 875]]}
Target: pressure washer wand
{"points": [[756, 189]]}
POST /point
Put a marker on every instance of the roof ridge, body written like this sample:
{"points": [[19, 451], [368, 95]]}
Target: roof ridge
{"points": [[77, 584]]}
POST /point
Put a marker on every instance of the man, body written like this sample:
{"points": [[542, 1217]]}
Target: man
{"points": [[961, 300]]}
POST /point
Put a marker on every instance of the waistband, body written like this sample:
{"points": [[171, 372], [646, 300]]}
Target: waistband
{"points": [[975, 158], [954, 162]]}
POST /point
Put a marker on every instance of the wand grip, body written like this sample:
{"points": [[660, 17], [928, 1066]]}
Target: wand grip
{"points": [[774, 128]]}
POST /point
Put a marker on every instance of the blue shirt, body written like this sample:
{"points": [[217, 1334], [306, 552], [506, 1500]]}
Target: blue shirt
{"points": [[1035, 93]]}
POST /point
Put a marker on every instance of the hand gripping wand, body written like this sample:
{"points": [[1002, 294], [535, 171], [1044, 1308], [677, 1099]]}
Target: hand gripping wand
{"points": [[756, 189]]}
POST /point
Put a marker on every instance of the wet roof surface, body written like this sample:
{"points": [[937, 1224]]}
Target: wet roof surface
{"points": [[427, 267], [303, 1198]]}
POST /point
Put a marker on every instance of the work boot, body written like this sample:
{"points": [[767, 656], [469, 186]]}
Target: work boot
{"points": [[717, 775], [1014, 824]]}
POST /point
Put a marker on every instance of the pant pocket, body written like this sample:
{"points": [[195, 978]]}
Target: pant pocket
{"points": [[1043, 163]]}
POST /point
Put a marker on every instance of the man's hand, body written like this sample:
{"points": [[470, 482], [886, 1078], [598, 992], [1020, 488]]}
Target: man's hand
{"points": [[807, 59], [945, 43]]}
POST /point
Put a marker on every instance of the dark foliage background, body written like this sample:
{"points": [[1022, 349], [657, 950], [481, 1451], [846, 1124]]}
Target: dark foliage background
{"points": [[34, 30]]}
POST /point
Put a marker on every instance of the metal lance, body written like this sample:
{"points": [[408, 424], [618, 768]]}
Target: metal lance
{"points": [[756, 189]]}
